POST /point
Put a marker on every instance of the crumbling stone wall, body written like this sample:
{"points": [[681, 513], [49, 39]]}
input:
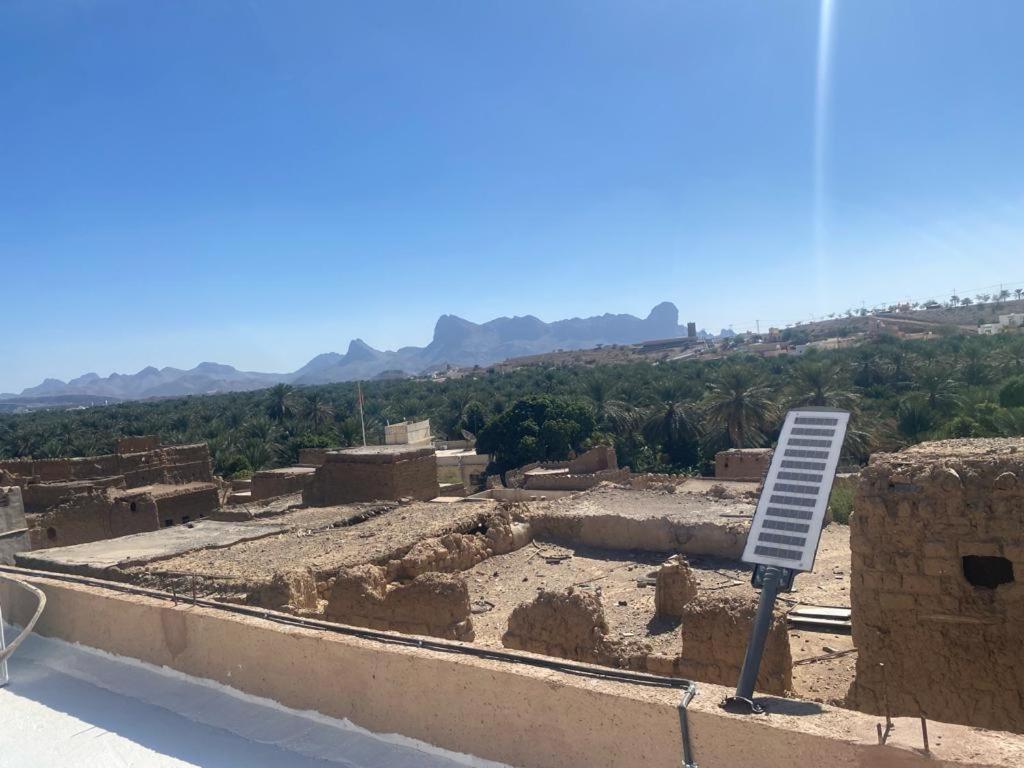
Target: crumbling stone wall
{"points": [[347, 477], [715, 632], [674, 587], [434, 604], [927, 522], [742, 463]]}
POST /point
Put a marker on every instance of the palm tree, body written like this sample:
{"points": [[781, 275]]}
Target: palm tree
{"points": [[914, 421], [1002, 296], [966, 301], [257, 453], [1018, 292], [279, 402], [741, 405], [673, 424], [820, 383], [318, 410], [1010, 358], [934, 387], [611, 414]]}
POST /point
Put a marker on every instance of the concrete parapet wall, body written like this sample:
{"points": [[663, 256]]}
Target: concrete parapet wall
{"points": [[517, 714], [929, 640]]}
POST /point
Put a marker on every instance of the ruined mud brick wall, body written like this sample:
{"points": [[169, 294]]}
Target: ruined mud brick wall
{"points": [[13, 526], [431, 604], [40, 497], [137, 443], [596, 459], [313, 457], [715, 632], [571, 625], [927, 521], [575, 482], [742, 463], [92, 516], [185, 503], [279, 482], [674, 587], [348, 476], [611, 531], [172, 464]]}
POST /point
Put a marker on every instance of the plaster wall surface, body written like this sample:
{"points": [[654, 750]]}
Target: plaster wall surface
{"points": [[518, 714]]}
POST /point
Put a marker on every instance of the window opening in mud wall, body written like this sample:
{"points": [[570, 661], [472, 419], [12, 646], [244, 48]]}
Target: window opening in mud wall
{"points": [[986, 571]]}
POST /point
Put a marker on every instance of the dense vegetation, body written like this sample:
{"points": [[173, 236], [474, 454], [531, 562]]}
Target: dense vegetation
{"points": [[670, 416]]}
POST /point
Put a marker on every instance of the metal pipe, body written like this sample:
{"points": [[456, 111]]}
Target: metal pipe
{"points": [[759, 633]]}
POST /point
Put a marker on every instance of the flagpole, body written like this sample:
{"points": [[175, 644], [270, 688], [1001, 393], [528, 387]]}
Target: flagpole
{"points": [[362, 421]]}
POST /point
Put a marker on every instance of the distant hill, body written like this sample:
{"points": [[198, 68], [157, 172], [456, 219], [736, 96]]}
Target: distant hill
{"points": [[456, 341]]}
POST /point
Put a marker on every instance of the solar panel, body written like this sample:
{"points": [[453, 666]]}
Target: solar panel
{"points": [[791, 510]]}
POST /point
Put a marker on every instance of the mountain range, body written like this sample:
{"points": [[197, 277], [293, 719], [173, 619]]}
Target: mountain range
{"points": [[456, 342]]}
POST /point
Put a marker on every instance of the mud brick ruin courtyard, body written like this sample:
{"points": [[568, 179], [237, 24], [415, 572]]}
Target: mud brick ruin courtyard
{"points": [[586, 561]]}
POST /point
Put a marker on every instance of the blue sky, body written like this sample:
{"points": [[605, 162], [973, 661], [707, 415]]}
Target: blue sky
{"points": [[258, 182]]}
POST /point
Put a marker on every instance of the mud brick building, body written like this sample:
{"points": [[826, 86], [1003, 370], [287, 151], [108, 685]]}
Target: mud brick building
{"points": [[374, 472], [937, 536]]}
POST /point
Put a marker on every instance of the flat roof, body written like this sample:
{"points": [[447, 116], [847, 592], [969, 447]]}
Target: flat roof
{"points": [[137, 548], [70, 705]]}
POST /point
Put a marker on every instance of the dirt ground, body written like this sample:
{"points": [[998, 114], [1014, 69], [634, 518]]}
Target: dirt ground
{"points": [[328, 538], [624, 582]]}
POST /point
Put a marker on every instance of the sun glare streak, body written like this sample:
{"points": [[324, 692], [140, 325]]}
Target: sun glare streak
{"points": [[821, 98]]}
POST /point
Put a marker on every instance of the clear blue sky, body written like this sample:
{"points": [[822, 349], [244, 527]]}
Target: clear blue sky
{"points": [[257, 182]]}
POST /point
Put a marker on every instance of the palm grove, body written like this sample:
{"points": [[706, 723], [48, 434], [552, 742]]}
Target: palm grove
{"points": [[669, 416]]}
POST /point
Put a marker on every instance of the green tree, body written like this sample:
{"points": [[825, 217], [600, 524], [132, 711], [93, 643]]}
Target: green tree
{"points": [[279, 402], [1011, 395], [537, 428], [741, 404]]}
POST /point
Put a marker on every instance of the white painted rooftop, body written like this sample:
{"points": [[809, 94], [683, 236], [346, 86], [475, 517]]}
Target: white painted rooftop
{"points": [[69, 705]]}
